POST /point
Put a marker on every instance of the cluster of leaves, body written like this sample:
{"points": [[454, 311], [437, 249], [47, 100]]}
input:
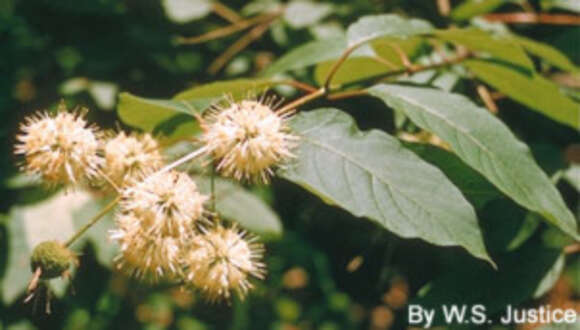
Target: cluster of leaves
{"points": [[495, 187]]}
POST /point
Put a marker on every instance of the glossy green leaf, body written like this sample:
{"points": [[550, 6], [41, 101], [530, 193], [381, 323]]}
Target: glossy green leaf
{"points": [[551, 277], [546, 52], [384, 59], [536, 92], [471, 8], [485, 143], [371, 175], [519, 275], [183, 11], [498, 47], [351, 70], [300, 14], [235, 203], [235, 88], [368, 28], [308, 54], [473, 185], [572, 176], [147, 114]]}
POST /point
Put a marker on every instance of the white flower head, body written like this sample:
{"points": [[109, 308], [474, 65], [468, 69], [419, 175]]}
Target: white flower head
{"points": [[60, 148], [145, 254], [248, 139], [130, 158], [221, 261], [167, 203]]}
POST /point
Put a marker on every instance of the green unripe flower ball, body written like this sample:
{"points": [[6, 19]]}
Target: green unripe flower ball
{"points": [[52, 258]]}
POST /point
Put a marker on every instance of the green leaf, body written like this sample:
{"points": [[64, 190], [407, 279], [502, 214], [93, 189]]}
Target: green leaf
{"points": [[519, 276], [535, 92], [237, 88], [30, 225], [306, 55], [371, 175], [351, 70], [384, 60], [473, 185], [368, 28], [572, 176], [235, 203], [300, 14], [572, 5], [184, 11], [471, 8], [147, 114], [546, 52], [485, 143], [551, 277], [498, 47]]}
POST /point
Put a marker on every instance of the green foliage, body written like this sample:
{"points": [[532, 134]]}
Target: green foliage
{"points": [[371, 175], [534, 91], [401, 139], [484, 143]]}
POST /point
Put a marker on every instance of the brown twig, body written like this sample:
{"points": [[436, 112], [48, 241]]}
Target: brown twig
{"points": [[444, 7], [414, 69], [226, 12], [533, 18], [485, 96], [337, 65], [240, 45], [573, 248], [226, 31], [299, 85], [402, 55], [305, 99]]}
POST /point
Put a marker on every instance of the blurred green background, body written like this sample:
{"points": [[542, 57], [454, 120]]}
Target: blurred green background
{"points": [[327, 271]]}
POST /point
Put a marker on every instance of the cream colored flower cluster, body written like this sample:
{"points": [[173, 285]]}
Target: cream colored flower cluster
{"points": [[162, 227], [248, 139], [62, 149]]}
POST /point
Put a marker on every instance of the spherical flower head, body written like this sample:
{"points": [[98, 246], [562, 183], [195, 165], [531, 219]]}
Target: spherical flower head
{"points": [[60, 148], [166, 204], [144, 254], [53, 259], [221, 261], [248, 139], [130, 158]]}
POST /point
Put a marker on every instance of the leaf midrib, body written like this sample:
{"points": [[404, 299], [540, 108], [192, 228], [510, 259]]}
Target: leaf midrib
{"points": [[472, 138], [370, 173]]}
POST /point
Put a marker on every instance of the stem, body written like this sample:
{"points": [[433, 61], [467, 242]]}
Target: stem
{"points": [[414, 69], [182, 160], [305, 99], [212, 188], [93, 221], [299, 85], [337, 65], [533, 18], [226, 31], [109, 181], [240, 44], [226, 12]]}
